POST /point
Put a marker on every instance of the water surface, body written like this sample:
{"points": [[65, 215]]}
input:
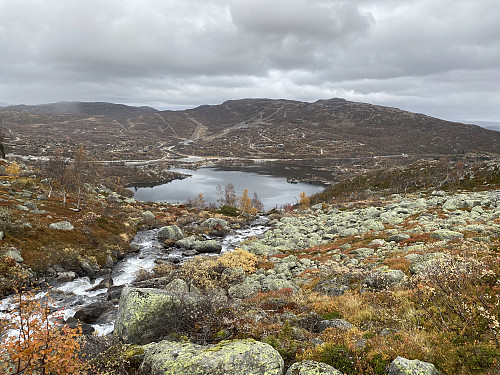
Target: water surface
{"points": [[273, 191]]}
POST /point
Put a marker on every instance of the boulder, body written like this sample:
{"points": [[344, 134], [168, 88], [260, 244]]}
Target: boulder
{"points": [[170, 232], [62, 225], [146, 314], [312, 368], [66, 276], [445, 234], [362, 252], [226, 358], [332, 287], [148, 215], [398, 237], [384, 279], [216, 225], [244, 290], [403, 366], [340, 324], [90, 313], [14, 254], [209, 246]]}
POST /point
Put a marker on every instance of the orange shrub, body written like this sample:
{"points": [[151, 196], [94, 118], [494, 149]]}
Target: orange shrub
{"points": [[39, 345]]}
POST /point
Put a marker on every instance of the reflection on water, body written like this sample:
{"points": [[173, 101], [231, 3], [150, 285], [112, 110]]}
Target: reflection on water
{"points": [[273, 191]]}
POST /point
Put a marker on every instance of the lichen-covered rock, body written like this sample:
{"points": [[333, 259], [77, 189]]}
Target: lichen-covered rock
{"points": [[216, 225], [148, 215], [403, 366], [170, 232], [244, 290], [445, 234], [226, 358], [146, 314], [398, 237], [339, 324], [312, 368], [191, 243], [384, 279], [62, 225]]}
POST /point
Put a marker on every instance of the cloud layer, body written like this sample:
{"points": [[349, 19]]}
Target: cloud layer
{"points": [[436, 57]]}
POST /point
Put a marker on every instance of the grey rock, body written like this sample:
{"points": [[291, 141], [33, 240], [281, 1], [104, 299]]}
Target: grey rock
{"points": [[210, 246], [62, 225], [2, 235], [66, 276], [21, 207], [14, 254], [170, 232], [272, 284], [90, 313], [331, 287], [216, 224], [445, 234], [385, 279], [312, 368], [373, 224], [363, 252], [403, 366], [244, 290], [148, 215], [345, 246], [146, 314], [339, 324], [177, 286], [398, 237], [421, 263], [235, 357], [134, 247]]}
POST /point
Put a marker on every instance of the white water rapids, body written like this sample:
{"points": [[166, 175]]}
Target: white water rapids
{"points": [[74, 295]]}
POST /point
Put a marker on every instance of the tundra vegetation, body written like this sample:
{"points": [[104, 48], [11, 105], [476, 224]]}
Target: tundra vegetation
{"points": [[354, 278]]}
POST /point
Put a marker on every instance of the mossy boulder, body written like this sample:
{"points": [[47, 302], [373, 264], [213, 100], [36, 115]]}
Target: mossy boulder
{"points": [[226, 358], [312, 368], [403, 366], [445, 234], [170, 232], [146, 314]]}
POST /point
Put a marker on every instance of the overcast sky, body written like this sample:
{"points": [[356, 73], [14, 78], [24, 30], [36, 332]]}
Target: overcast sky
{"points": [[438, 57]]}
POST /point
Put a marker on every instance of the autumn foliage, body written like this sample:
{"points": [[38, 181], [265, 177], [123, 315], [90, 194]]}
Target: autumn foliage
{"points": [[34, 343]]}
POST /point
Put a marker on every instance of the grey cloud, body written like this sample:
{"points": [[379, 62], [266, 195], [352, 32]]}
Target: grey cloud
{"points": [[170, 53]]}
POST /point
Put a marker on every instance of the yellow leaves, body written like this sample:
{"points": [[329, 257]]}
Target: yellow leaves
{"points": [[246, 205], [39, 345], [304, 201], [239, 258], [13, 170]]}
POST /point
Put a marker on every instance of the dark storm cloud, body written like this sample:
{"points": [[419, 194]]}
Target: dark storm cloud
{"points": [[437, 57]]}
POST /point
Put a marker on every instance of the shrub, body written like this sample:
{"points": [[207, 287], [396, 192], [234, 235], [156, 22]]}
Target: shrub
{"points": [[239, 259], [229, 210], [39, 345]]}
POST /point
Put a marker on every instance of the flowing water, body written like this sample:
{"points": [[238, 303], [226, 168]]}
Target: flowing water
{"points": [[74, 295]]}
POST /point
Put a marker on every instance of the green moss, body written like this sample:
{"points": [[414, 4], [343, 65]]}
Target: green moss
{"points": [[339, 357]]}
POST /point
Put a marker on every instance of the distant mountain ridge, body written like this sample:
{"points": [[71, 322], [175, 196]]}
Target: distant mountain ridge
{"points": [[324, 132], [85, 108]]}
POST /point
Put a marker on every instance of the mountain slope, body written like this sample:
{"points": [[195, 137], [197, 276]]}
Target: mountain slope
{"points": [[326, 132]]}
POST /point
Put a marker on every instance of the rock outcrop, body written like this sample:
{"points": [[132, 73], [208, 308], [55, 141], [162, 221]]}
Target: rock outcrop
{"points": [[226, 358]]}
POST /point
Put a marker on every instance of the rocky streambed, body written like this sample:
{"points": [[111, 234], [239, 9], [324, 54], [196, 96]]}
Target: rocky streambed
{"points": [[93, 302]]}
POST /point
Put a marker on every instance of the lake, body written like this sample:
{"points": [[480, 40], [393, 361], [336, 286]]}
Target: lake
{"points": [[273, 191]]}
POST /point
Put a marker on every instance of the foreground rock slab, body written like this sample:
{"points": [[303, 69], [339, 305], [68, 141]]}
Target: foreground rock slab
{"points": [[147, 314], [226, 358], [403, 366], [312, 368]]}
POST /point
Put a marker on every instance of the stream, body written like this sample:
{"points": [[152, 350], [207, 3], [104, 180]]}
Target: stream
{"points": [[82, 292]]}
